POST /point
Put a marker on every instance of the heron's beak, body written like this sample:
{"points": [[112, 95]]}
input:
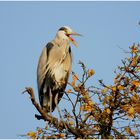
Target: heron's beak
{"points": [[72, 40], [76, 34]]}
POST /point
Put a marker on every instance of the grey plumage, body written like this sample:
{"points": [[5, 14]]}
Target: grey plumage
{"points": [[54, 68]]}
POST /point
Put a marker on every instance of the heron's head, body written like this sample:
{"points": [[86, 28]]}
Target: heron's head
{"points": [[67, 32]]}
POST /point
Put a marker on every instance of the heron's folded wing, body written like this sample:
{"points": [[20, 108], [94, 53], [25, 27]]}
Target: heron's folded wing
{"points": [[42, 65]]}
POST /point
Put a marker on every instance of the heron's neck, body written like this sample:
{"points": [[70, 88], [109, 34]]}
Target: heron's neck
{"points": [[61, 39]]}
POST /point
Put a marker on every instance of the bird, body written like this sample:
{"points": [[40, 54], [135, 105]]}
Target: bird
{"points": [[54, 68]]}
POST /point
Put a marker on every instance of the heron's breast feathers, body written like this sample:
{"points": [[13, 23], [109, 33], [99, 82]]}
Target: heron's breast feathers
{"points": [[59, 71]]}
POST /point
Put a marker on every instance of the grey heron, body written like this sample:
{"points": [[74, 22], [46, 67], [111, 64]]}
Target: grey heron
{"points": [[54, 68]]}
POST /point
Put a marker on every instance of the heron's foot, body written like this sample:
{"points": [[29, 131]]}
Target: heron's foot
{"points": [[39, 117]]}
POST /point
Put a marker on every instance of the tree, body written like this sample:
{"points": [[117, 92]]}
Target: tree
{"points": [[107, 111]]}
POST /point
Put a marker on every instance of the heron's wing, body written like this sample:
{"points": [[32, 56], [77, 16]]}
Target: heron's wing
{"points": [[42, 67]]}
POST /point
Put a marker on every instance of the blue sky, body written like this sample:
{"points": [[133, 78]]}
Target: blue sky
{"points": [[25, 27]]}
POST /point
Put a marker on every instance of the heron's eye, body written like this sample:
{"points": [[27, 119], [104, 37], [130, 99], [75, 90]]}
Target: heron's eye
{"points": [[66, 32]]}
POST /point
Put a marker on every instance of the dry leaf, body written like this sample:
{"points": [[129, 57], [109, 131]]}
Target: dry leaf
{"points": [[135, 83], [71, 122], [120, 87], [74, 77], [131, 111], [69, 91], [108, 111], [31, 134], [91, 72]]}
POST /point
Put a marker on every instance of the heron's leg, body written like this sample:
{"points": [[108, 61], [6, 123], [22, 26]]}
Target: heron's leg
{"points": [[50, 94], [56, 103]]}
